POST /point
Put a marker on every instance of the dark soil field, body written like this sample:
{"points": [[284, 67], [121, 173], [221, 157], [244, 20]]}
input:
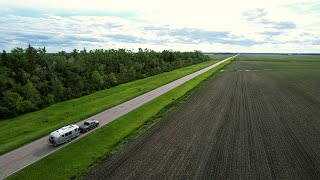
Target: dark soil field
{"points": [[256, 119]]}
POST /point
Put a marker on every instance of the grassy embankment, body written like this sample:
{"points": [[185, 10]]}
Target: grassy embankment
{"points": [[76, 158], [23, 129]]}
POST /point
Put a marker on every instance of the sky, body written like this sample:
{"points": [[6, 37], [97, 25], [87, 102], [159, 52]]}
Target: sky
{"points": [[287, 26]]}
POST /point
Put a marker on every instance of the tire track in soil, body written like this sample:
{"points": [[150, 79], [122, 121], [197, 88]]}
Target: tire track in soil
{"points": [[239, 125]]}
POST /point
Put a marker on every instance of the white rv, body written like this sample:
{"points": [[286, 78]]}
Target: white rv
{"points": [[64, 134]]}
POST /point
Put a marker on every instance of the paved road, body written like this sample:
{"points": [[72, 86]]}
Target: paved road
{"points": [[30, 153]]}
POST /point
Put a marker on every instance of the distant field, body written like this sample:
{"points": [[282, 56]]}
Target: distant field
{"points": [[301, 73], [278, 57], [20, 130], [220, 56], [276, 65], [256, 119]]}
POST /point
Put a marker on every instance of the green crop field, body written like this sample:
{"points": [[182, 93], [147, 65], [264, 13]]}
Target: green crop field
{"points": [[23, 129], [77, 157]]}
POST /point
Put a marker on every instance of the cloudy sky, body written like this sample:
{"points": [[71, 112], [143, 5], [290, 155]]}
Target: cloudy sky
{"points": [[206, 25]]}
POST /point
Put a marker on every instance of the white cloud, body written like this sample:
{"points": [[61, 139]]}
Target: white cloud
{"points": [[206, 25]]}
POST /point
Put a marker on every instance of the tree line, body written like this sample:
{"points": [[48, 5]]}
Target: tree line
{"points": [[31, 78]]}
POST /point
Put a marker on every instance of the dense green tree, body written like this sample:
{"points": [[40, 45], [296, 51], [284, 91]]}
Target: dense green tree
{"points": [[49, 99], [131, 73], [32, 78], [31, 55], [12, 103], [18, 58], [30, 93], [97, 80], [74, 53], [5, 81], [112, 79], [4, 59], [57, 88]]}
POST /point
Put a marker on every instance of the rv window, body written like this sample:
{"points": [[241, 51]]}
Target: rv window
{"points": [[62, 135], [70, 133], [66, 134]]}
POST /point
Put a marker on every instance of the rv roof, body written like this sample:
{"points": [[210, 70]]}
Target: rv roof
{"points": [[64, 130]]}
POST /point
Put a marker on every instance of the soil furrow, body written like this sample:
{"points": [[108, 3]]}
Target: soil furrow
{"points": [[240, 125]]}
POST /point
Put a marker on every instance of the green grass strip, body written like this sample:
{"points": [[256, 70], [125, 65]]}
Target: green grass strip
{"points": [[23, 129], [74, 159]]}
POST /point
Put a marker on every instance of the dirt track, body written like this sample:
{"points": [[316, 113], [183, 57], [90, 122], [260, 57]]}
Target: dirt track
{"points": [[239, 125]]}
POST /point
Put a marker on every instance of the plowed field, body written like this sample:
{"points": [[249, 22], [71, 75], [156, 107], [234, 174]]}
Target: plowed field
{"points": [[253, 120]]}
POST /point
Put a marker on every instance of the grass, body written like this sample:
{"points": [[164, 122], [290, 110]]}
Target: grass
{"points": [[74, 159], [23, 129]]}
